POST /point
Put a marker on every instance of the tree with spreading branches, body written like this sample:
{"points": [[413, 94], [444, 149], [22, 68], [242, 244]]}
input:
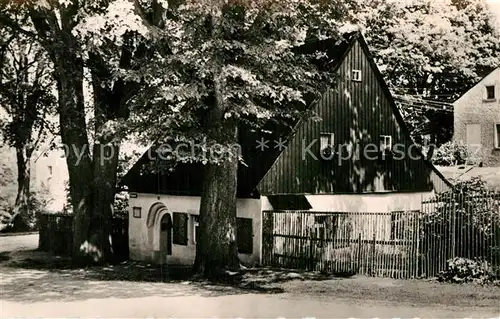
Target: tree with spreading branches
{"points": [[231, 66], [27, 101], [102, 39]]}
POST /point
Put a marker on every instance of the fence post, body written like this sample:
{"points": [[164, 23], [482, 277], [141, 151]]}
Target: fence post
{"points": [[311, 250], [418, 214], [359, 252], [453, 231], [372, 264]]}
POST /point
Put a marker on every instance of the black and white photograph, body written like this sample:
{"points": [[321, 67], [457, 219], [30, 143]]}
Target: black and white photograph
{"points": [[250, 159]]}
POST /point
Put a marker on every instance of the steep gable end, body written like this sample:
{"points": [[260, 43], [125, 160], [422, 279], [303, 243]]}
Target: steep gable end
{"points": [[477, 91], [355, 114]]}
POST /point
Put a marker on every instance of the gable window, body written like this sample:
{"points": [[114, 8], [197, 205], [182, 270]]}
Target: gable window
{"points": [[180, 228], [490, 92], [356, 75], [244, 235], [497, 135], [385, 143], [327, 144]]}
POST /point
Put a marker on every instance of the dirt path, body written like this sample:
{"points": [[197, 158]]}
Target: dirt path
{"points": [[234, 306], [73, 293]]}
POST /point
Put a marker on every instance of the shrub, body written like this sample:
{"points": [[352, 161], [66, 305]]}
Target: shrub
{"points": [[463, 270], [461, 222], [28, 219], [120, 205]]}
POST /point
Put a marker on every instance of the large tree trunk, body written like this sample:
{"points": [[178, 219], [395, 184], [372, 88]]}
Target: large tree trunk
{"points": [[105, 167], [21, 206], [91, 180], [105, 157], [69, 75], [217, 251]]}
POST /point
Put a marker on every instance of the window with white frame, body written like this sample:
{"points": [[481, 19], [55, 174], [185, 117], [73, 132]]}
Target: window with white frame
{"points": [[385, 143], [327, 140], [327, 145], [490, 92], [497, 135], [356, 75], [196, 226]]}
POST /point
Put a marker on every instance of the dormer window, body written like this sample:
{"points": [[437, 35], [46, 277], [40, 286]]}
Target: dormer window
{"points": [[490, 92], [327, 145], [356, 75], [385, 143]]}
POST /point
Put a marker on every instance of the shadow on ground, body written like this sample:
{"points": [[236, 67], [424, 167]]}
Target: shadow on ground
{"points": [[32, 276]]}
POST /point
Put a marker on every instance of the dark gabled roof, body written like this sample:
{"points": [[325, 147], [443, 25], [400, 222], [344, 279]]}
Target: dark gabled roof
{"points": [[186, 178], [399, 118]]}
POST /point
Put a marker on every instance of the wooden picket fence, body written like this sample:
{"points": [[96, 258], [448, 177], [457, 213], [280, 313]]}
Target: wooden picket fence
{"points": [[404, 244], [375, 244], [56, 235], [460, 225]]}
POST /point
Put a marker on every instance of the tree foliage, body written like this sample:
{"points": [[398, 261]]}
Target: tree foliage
{"points": [[27, 101], [223, 67], [431, 50], [245, 51], [464, 222], [102, 37]]}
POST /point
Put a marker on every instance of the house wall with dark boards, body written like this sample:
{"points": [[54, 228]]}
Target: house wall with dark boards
{"points": [[358, 111]]}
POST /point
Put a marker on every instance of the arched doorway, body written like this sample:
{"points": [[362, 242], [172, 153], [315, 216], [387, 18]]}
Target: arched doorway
{"points": [[165, 237]]}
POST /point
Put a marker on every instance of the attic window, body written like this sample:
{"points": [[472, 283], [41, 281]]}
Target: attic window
{"points": [[490, 92], [327, 145], [356, 75], [385, 143], [327, 140]]}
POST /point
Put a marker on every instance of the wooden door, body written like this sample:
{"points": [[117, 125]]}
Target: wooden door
{"points": [[165, 237]]}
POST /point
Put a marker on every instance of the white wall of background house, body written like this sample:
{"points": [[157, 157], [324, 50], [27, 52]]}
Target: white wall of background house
{"points": [[477, 118], [144, 241], [368, 203], [51, 175]]}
